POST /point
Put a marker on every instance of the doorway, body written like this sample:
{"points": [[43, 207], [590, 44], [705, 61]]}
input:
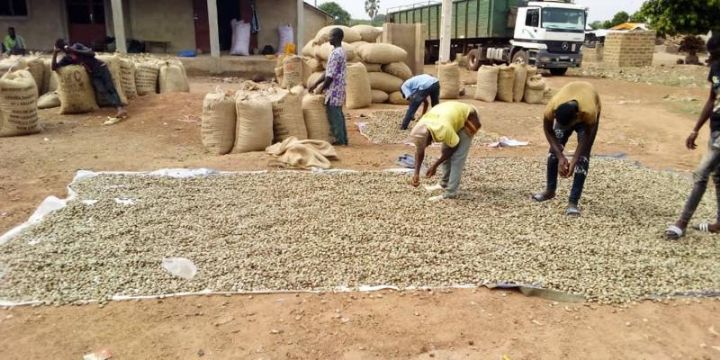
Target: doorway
{"points": [[86, 22], [227, 11]]}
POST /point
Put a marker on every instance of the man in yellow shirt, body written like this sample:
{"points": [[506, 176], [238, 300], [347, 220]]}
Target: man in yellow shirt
{"points": [[453, 124], [576, 107]]}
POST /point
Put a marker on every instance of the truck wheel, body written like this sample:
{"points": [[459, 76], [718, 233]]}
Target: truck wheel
{"points": [[473, 60], [558, 72], [520, 57]]}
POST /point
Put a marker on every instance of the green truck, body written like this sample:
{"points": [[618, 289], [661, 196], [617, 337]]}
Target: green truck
{"points": [[547, 34]]}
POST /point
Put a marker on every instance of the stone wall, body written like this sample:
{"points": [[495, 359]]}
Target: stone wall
{"points": [[628, 49]]}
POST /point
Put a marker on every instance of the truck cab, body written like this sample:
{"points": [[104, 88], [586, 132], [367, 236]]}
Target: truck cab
{"points": [[549, 35]]}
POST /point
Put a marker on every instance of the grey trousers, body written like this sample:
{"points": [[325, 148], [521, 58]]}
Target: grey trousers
{"points": [[709, 165], [453, 167]]}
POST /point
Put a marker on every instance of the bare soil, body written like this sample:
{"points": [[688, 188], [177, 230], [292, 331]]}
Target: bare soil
{"points": [[647, 123]]}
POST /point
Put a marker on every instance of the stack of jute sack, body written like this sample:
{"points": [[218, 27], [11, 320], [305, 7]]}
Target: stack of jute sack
{"points": [[514, 83], [375, 71], [18, 97], [252, 120]]}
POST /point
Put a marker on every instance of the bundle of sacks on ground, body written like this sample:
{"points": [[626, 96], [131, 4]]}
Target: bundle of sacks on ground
{"points": [[514, 83], [70, 87], [375, 72]]}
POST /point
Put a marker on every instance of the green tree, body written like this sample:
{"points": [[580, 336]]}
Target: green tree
{"points": [[596, 25], [372, 7], [682, 16], [619, 18], [378, 20], [341, 16], [637, 17], [607, 24]]}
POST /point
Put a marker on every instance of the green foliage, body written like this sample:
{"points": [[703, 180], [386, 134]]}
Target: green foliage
{"points": [[378, 20], [620, 18], [372, 7], [596, 25], [682, 16], [607, 24], [638, 17], [341, 16]]}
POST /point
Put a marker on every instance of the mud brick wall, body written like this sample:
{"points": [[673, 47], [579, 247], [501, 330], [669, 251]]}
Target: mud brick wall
{"points": [[627, 49]]}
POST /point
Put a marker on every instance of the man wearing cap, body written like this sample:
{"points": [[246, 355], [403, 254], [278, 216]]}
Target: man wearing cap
{"points": [[79, 54], [453, 124], [576, 107], [417, 90]]}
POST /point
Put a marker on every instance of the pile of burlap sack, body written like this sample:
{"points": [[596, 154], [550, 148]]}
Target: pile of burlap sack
{"points": [[375, 72], [514, 83], [253, 119]]}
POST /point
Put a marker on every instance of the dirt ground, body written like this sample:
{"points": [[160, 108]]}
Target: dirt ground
{"points": [[646, 123]]}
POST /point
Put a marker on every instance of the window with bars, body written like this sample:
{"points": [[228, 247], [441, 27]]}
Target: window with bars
{"points": [[12, 8]]}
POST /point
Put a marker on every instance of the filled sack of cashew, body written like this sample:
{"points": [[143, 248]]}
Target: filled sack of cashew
{"points": [[486, 87], [535, 90], [449, 76], [292, 72], [359, 92], [349, 35], [381, 53], [49, 78], [316, 120], [113, 64], [367, 33], [254, 126], [399, 69], [309, 49], [379, 97], [146, 77], [48, 101], [172, 78], [520, 81], [323, 51], [314, 77], [506, 83], [396, 98], [373, 67], [127, 78], [77, 95], [385, 82], [36, 67], [288, 120], [18, 104], [218, 122]]}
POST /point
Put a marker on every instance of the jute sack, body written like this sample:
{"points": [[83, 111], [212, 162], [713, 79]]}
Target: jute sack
{"points": [[49, 80], [18, 104], [287, 118], [531, 71], [313, 64], [381, 53], [449, 76], [309, 49], [12, 63], [356, 45], [520, 80], [487, 83], [396, 98], [535, 90], [350, 35], [379, 97], [254, 127], [36, 67], [48, 101], [316, 121], [292, 72], [548, 94], [399, 69], [506, 83], [127, 78], [367, 33], [146, 77], [359, 93], [172, 78], [279, 75], [77, 95], [385, 82], [113, 64], [218, 122], [323, 51], [314, 77], [373, 67]]}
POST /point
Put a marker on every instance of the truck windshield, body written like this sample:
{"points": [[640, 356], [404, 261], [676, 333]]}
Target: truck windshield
{"points": [[563, 19]]}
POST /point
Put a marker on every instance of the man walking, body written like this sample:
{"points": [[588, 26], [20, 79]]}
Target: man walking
{"points": [[453, 124], [78, 54], [417, 90], [575, 108], [334, 86]]}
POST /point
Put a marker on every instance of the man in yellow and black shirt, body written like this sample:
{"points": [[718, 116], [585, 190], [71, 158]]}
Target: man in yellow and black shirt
{"points": [[575, 108]]}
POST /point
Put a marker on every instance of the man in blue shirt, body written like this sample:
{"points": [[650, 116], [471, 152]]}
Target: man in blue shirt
{"points": [[416, 90]]}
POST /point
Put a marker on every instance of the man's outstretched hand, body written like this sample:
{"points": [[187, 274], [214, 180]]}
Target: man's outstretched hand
{"points": [[415, 181]]}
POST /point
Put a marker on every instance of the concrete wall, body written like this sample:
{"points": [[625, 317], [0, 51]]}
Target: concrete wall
{"points": [[314, 21], [45, 23], [163, 20], [627, 49]]}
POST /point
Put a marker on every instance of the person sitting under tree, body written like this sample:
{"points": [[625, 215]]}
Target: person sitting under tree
{"points": [[454, 124], [576, 107], [334, 86], [711, 162], [79, 54], [13, 43], [417, 90]]}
